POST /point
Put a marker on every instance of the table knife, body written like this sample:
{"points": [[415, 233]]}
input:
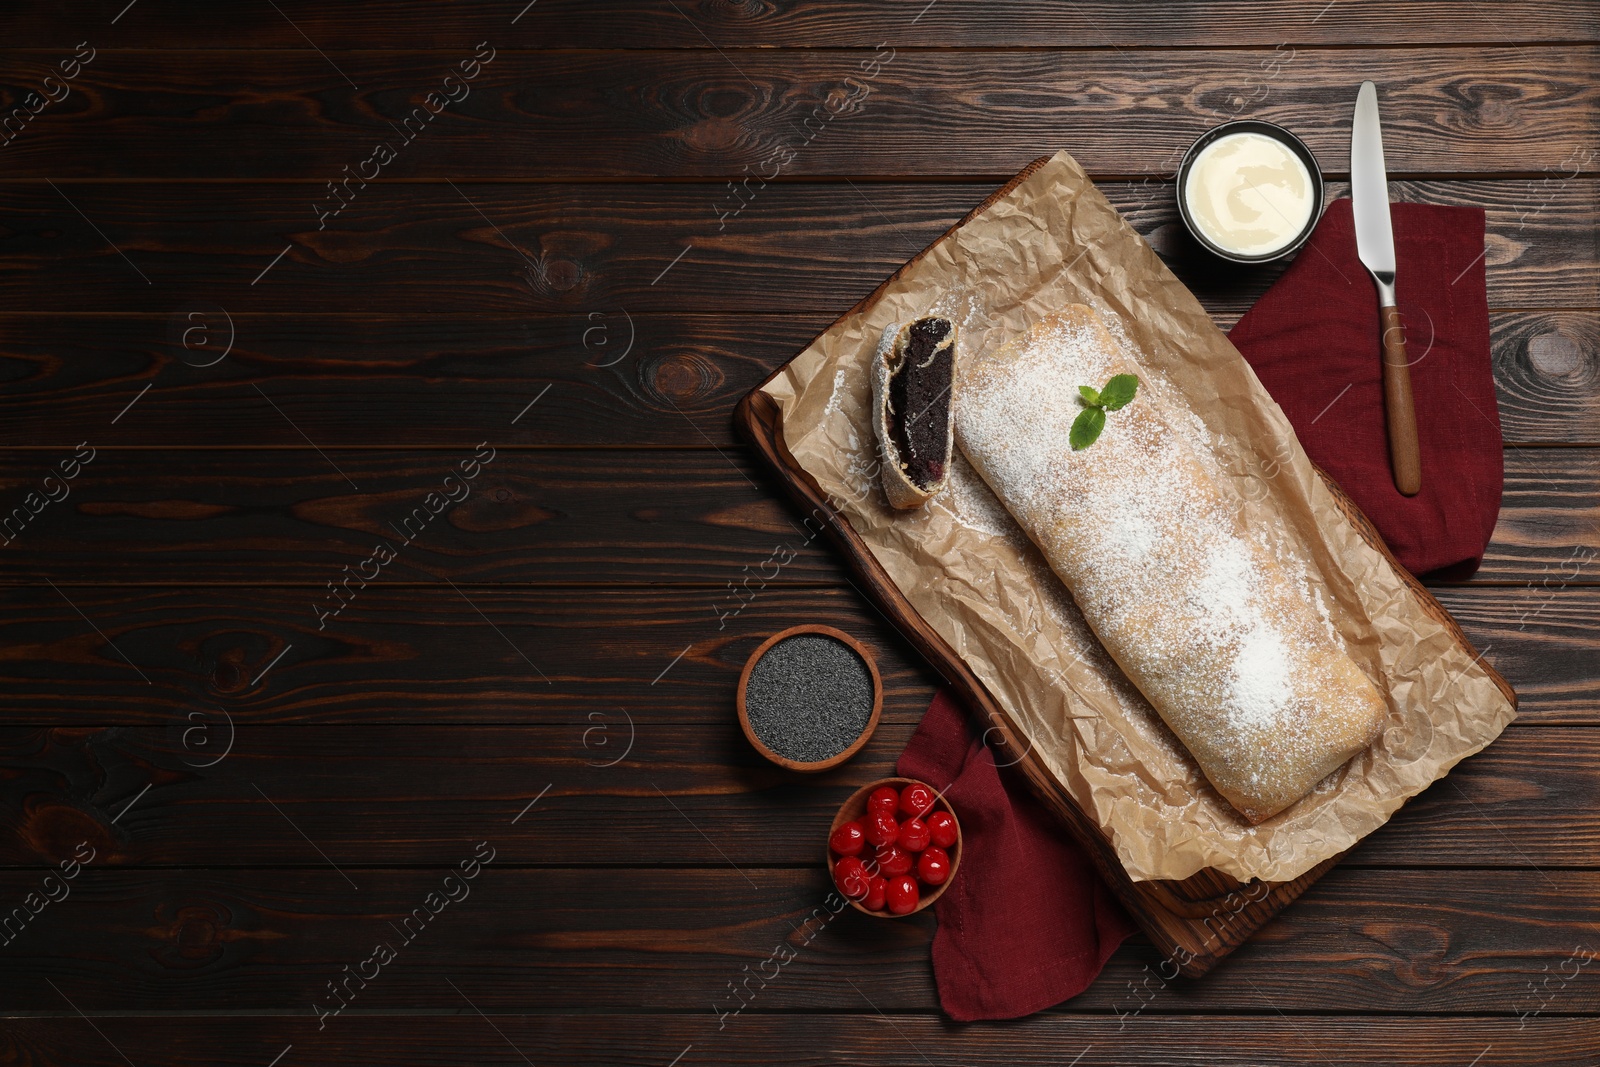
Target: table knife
{"points": [[1369, 201]]}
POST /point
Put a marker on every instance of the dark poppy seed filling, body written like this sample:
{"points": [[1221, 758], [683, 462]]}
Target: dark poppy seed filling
{"points": [[919, 402]]}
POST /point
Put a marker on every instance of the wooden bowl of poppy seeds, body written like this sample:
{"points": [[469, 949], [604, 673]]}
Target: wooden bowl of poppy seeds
{"points": [[809, 698]]}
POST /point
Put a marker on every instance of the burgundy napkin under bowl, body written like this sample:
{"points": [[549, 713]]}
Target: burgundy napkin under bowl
{"points": [[1028, 922]]}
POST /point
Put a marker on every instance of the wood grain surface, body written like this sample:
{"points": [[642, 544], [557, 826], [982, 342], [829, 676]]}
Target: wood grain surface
{"points": [[734, 26], [573, 248], [576, 940], [618, 379], [596, 229], [801, 1039], [336, 784], [802, 113]]}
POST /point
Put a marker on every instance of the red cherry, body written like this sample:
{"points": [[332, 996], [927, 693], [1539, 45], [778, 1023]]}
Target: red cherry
{"points": [[884, 798], [869, 863], [914, 835], [916, 799], [877, 894], [903, 895], [933, 866], [851, 878], [893, 861], [881, 829], [849, 839], [941, 828]]}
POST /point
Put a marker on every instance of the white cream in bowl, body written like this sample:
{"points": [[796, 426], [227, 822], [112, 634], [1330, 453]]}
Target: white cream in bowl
{"points": [[1249, 194]]}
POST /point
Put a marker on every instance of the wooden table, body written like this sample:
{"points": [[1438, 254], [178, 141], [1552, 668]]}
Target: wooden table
{"points": [[385, 533]]}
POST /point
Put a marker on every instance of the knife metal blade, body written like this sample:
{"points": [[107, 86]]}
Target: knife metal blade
{"points": [[1369, 192], [1369, 205]]}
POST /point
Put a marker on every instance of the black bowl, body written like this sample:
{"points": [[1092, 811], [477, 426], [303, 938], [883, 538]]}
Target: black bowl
{"points": [[1266, 129]]}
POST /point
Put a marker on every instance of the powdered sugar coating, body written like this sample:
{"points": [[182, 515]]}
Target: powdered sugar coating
{"points": [[1201, 616]]}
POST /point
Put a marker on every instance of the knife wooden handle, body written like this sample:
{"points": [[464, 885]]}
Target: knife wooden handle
{"points": [[1405, 457]]}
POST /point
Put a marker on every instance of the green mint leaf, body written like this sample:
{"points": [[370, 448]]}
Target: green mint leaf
{"points": [[1090, 396], [1086, 428], [1119, 391]]}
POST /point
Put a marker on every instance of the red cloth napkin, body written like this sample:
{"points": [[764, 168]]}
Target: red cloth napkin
{"points": [[1027, 922], [1314, 342]]}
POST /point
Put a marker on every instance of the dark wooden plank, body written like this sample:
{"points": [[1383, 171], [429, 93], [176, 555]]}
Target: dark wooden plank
{"points": [[800, 1040], [621, 788], [406, 654], [1502, 807], [1542, 636], [618, 379], [575, 115], [333, 517], [735, 26], [296, 515], [581, 249], [803, 1040], [639, 939], [1547, 534], [607, 791], [1547, 367]]}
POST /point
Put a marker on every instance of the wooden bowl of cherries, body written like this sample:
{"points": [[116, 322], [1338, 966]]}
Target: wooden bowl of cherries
{"points": [[894, 847]]}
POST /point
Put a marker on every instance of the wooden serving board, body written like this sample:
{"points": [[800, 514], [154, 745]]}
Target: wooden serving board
{"points": [[1194, 922]]}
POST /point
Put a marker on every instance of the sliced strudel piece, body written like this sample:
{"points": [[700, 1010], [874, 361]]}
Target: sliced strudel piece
{"points": [[911, 397]]}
